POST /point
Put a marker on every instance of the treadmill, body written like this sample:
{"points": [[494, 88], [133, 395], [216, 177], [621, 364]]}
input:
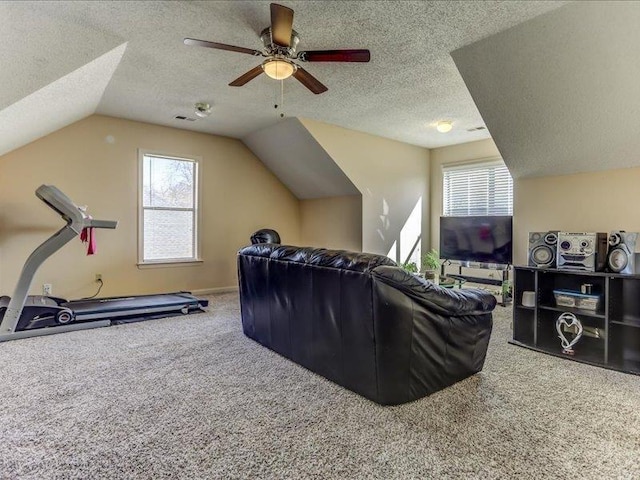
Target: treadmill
{"points": [[24, 316]]}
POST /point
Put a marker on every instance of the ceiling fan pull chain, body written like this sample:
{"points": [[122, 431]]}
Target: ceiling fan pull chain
{"points": [[282, 98]]}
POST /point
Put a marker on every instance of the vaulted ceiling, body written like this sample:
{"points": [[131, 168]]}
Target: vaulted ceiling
{"points": [[561, 92], [64, 60], [291, 152]]}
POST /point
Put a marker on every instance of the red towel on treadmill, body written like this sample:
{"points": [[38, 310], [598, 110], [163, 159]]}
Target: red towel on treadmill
{"points": [[89, 238]]}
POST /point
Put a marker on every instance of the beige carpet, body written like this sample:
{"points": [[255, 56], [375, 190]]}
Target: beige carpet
{"points": [[191, 397]]}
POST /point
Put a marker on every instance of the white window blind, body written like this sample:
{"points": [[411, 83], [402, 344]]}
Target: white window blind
{"points": [[477, 189]]}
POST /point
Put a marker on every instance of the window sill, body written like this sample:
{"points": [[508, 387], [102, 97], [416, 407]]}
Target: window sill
{"points": [[170, 264]]}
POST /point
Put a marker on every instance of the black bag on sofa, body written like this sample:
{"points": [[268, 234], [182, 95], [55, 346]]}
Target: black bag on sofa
{"points": [[361, 321]]}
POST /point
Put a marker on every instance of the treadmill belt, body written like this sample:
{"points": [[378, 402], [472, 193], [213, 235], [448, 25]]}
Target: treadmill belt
{"points": [[143, 305]]}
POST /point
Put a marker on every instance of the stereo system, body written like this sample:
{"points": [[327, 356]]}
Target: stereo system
{"points": [[542, 249], [582, 251], [585, 251], [622, 256]]}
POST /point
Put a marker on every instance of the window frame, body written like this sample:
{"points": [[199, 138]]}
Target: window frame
{"points": [[476, 164], [169, 262]]}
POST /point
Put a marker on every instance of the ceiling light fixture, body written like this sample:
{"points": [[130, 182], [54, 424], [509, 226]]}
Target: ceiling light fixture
{"points": [[278, 68], [202, 109], [444, 126]]}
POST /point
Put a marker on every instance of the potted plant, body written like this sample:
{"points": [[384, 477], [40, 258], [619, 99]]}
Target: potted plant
{"points": [[410, 267], [431, 265]]}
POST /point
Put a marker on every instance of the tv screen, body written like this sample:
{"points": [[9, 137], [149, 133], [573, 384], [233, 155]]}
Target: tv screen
{"points": [[477, 239]]}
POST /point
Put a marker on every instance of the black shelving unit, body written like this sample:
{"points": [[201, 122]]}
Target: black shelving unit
{"points": [[617, 317]]}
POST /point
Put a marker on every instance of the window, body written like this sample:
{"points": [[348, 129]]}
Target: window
{"points": [[168, 209], [477, 189]]}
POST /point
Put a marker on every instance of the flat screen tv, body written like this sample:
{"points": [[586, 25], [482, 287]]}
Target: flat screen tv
{"points": [[477, 239]]}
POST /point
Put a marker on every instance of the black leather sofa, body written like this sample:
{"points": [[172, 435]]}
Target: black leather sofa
{"points": [[361, 321]]}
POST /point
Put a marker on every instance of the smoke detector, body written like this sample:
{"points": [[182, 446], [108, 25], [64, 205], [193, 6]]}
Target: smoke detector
{"points": [[202, 109]]}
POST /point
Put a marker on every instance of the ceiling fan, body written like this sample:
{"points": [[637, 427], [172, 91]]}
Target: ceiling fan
{"points": [[280, 43]]}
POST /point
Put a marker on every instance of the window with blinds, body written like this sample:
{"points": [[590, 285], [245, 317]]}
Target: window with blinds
{"points": [[477, 189]]}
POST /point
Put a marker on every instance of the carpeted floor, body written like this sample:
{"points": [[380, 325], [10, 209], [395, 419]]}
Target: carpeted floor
{"points": [[193, 398]]}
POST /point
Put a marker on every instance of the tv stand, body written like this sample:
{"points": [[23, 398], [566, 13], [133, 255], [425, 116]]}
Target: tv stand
{"points": [[611, 337], [503, 280]]}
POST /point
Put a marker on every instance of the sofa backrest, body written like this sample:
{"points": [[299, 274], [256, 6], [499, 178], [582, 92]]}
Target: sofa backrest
{"points": [[314, 306], [320, 257], [353, 317]]}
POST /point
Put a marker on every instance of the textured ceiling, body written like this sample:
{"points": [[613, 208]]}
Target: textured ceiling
{"points": [[561, 93], [410, 83], [69, 99]]}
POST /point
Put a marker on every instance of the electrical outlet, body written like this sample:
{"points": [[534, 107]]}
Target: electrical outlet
{"points": [[98, 277], [47, 288]]}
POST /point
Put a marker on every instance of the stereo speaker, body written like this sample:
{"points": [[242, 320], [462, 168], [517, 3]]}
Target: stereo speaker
{"points": [[622, 256], [542, 249], [582, 251]]}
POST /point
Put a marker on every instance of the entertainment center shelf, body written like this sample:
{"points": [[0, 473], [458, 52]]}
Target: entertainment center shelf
{"points": [[495, 274], [611, 336]]}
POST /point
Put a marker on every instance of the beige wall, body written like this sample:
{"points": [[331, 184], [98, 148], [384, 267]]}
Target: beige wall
{"points": [[456, 154], [393, 179], [239, 195], [593, 202], [333, 222], [586, 202]]}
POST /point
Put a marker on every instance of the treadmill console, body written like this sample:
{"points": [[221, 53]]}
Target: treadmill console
{"points": [[68, 210]]}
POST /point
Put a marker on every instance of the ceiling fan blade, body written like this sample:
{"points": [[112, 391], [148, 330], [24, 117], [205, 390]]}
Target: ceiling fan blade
{"points": [[250, 75], [281, 25], [309, 81], [220, 46], [335, 56]]}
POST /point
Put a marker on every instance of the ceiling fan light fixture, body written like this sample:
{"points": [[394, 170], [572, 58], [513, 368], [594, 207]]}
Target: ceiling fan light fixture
{"points": [[444, 126], [278, 68]]}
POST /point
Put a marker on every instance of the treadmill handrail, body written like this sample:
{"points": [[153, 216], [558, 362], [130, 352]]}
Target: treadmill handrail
{"points": [[103, 224]]}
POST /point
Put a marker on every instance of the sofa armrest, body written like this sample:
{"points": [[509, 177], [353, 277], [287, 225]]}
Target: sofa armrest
{"points": [[451, 302]]}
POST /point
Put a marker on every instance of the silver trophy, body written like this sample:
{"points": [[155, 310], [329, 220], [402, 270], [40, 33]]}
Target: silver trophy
{"points": [[569, 320]]}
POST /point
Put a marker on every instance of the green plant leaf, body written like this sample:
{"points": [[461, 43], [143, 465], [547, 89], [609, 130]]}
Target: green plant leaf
{"points": [[410, 267], [431, 260]]}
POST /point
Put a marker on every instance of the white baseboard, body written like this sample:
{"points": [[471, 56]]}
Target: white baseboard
{"points": [[209, 291]]}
